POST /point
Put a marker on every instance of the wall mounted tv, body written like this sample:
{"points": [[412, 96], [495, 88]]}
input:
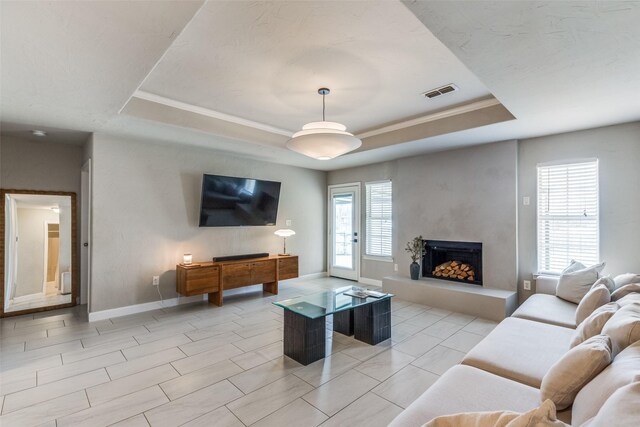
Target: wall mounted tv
{"points": [[229, 201]]}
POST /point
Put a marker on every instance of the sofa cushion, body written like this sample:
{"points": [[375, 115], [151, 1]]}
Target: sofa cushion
{"points": [[575, 369], [624, 326], [596, 297], [625, 279], [625, 290], [466, 389], [548, 309], [544, 415], [521, 350], [620, 410], [592, 325], [574, 285], [624, 370]]}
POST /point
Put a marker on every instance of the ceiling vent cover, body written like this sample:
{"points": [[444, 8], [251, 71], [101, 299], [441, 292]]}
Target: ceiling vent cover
{"points": [[440, 91]]}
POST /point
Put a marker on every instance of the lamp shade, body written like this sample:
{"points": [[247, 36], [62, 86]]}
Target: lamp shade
{"points": [[323, 140], [284, 232]]}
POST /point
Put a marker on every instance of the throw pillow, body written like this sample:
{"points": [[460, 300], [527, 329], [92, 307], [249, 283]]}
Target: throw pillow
{"points": [[624, 370], [626, 278], [607, 281], [574, 266], [620, 410], [592, 325], [574, 285], [625, 290], [624, 326], [545, 415], [576, 368], [595, 298]]}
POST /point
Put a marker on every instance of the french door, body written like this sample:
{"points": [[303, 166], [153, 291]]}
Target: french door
{"points": [[344, 231]]}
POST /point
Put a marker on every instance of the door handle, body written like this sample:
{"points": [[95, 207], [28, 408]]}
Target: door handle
{"points": [[85, 244]]}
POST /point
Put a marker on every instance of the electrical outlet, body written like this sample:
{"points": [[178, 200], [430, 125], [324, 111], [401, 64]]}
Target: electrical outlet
{"points": [[395, 267], [527, 285], [156, 281], [288, 223]]}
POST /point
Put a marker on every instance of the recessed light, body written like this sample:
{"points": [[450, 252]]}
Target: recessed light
{"points": [[36, 132]]}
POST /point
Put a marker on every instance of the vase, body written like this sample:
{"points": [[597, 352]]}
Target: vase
{"points": [[414, 269]]}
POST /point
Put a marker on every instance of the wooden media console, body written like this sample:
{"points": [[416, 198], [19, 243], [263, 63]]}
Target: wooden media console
{"points": [[213, 278]]}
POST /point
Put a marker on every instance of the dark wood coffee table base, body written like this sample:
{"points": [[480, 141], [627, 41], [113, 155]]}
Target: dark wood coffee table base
{"points": [[304, 338]]}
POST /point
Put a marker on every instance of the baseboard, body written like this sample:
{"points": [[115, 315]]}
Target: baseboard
{"points": [[140, 308], [314, 275], [372, 282]]}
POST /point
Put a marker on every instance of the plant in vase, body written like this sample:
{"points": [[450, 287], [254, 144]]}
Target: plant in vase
{"points": [[415, 248]]}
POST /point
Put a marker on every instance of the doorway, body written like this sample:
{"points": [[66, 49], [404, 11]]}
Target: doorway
{"points": [[344, 231]]}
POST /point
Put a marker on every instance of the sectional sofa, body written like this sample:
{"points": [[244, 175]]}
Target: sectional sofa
{"points": [[505, 371]]}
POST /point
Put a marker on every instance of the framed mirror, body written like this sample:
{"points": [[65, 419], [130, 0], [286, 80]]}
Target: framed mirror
{"points": [[39, 247]]}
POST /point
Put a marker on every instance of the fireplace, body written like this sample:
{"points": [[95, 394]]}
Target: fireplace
{"points": [[456, 261]]}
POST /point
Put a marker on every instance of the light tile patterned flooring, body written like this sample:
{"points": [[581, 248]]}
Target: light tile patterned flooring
{"points": [[200, 365]]}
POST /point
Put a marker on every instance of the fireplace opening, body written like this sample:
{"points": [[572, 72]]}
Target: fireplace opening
{"points": [[456, 261]]}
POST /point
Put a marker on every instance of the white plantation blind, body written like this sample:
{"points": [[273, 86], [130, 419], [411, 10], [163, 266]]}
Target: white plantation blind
{"points": [[567, 215], [378, 219]]}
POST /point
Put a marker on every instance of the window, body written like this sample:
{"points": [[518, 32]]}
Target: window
{"points": [[567, 215], [378, 219]]}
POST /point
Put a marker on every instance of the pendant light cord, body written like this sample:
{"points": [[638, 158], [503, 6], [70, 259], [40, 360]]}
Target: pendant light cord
{"points": [[323, 95]]}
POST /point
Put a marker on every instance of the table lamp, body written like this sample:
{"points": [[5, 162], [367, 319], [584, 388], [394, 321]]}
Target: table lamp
{"points": [[284, 233]]}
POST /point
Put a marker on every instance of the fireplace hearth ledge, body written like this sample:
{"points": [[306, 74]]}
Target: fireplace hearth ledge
{"points": [[491, 304]]}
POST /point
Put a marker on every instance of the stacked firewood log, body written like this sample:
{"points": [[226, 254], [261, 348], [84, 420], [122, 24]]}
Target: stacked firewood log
{"points": [[455, 270]]}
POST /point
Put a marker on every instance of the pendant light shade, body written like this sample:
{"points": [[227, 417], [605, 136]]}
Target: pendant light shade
{"points": [[323, 140]]}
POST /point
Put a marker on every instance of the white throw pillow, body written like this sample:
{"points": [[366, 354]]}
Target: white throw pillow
{"points": [[625, 290], [624, 326], [626, 278], [592, 325], [576, 368], [574, 286], [624, 370], [607, 281], [574, 266], [620, 410], [595, 298], [545, 415]]}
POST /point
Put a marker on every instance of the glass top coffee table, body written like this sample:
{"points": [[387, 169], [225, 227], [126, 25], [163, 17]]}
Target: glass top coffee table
{"points": [[367, 318]]}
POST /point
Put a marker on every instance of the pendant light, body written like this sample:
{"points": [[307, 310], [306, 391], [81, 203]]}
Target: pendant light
{"points": [[323, 140]]}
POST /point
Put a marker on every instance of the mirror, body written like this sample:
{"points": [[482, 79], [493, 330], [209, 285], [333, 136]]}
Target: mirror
{"points": [[39, 251]]}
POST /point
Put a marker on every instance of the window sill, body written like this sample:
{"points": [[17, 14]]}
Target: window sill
{"points": [[377, 258], [545, 273]]}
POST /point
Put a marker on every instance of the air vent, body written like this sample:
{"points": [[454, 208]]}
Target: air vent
{"points": [[440, 91]]}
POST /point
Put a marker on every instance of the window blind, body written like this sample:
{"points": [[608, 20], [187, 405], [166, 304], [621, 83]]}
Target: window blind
{"points": [[378, 219], [568, 224]]}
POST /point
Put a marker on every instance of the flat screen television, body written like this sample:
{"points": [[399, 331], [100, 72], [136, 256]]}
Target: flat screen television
{"points": [[229, 201]]}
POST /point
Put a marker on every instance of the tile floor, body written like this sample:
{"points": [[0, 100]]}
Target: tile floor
{"points": [[200, 365]]}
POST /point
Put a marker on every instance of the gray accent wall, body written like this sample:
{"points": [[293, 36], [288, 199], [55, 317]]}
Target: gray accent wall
{"points": [[146, 199], [465, 195], [618, 150]]}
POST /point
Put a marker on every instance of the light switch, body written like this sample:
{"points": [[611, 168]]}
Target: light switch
{"points": [[288, 223], [526, 201]]}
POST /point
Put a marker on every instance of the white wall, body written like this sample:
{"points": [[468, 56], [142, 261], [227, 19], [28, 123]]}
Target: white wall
{"points": [[618, 150], [145, 216], [464, 195]]}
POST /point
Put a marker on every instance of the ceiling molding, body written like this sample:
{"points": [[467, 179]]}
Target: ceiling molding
{"points": [[209, 113], [449, 112]]}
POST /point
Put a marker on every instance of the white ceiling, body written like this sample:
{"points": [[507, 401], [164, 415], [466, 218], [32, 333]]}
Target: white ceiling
{"points": [[264, 61], [556, 66]]}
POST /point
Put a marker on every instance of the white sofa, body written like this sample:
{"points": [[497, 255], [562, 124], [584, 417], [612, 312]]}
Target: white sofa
{"points": [[505, 370]]}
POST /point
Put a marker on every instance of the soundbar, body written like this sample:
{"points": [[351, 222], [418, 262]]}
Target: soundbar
{"points": [[236, 257]]}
